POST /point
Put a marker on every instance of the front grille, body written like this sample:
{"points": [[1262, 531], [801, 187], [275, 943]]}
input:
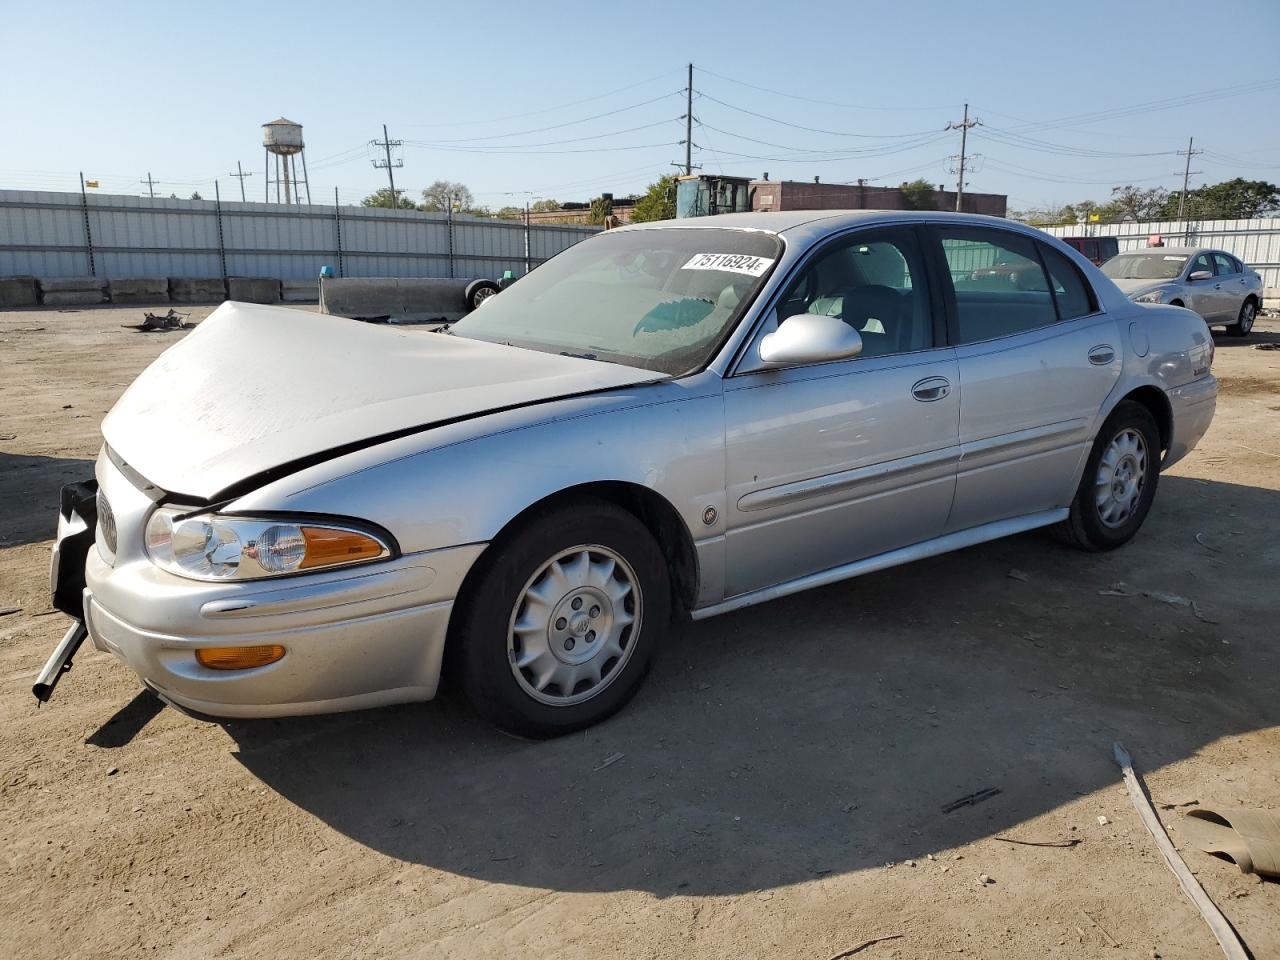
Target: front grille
{"points": [[106, 522]]}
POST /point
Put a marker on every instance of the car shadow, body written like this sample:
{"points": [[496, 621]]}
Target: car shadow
{"points": [[128, 721], [825, 733], [29, 488], [1254, 338]]}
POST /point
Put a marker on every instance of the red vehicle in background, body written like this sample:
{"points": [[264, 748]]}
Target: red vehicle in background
{"points": [[1097, 249]]}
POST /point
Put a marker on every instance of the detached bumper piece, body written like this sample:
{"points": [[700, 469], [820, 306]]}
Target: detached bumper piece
{"points": [[77, 521], [59, 663]]}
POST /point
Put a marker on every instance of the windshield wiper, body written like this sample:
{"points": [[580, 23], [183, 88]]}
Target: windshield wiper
{"points": [[580, 356]]}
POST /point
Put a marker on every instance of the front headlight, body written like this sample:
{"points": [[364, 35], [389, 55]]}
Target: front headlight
{"points": [[214, 547], [1155, 296]]}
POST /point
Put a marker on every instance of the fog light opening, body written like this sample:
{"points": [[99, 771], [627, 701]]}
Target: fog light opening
{"points": [[239, 658]]}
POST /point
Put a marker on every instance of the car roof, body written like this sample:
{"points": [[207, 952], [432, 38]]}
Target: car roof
{"points": [[1177, 251], [782, 221]]}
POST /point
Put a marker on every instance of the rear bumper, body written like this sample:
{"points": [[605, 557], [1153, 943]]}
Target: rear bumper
{"points": [[1193, 406], [357, 638]]}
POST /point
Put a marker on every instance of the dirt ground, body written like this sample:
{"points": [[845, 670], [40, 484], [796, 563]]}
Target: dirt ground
{"points": [[783, 772]]}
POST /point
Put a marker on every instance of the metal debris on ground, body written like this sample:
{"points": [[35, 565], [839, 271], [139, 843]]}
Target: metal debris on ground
{"points": [[971, 799], [1042, 843], [1226, 936], [611, 759], [1267, 346], [1208, 546], [173, 320], [864, 944]]}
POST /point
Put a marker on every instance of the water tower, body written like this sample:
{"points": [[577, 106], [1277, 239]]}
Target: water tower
{"points": [[283, 138]]}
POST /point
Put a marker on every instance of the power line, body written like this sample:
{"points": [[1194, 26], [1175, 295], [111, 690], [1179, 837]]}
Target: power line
{"points": [[559, 126], [825, 103], [798, 126], [544, 110], [546, 143]]}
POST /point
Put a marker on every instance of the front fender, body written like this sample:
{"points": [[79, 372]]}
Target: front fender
{"points": [[464, 482]]}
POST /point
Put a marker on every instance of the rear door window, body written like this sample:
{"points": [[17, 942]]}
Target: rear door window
{"points": [[1071, 293], [1000, 285]]}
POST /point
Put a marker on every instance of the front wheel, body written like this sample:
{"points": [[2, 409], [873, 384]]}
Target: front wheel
{"points": [[1244, 322], [558, 630], [1119, 482]]}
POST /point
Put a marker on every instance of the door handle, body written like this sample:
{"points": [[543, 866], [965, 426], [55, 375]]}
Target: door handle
{"points": [[1102, 354], [931, 388]]}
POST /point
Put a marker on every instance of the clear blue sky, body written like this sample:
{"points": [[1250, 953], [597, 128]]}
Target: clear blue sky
{"points": [[181, 89]]}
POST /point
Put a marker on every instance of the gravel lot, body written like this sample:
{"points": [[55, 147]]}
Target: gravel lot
{"points": [[783, 771]]}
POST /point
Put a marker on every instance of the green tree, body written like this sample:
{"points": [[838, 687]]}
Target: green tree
{"points": [[1237, 199], [601, 207], [196, 195], [510, 213], [382, 198], [918, 195], [658, 202], [437, 197], [545, 206], [1131, 203]]}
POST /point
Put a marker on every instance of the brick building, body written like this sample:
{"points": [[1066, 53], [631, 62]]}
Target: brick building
{"points": [[813, 195]]}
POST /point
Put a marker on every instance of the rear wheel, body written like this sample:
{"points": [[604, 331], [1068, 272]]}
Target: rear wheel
{"points": [[1119, 482], [478, 291], [1244, 322], [558, 631]]}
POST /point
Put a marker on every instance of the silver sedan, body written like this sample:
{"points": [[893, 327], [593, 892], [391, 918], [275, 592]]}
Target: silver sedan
{"points": [[296, 513], [1213, 283]]}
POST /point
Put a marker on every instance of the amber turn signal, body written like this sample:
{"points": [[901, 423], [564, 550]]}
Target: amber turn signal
{"points": [[326, 547], [238, 658]]}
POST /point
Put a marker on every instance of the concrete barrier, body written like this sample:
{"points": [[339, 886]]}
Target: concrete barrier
{"points": [[398, 299], [197, 290], [253, 289], [300, 291], [73, 292], [19, 292], [139, 289]]}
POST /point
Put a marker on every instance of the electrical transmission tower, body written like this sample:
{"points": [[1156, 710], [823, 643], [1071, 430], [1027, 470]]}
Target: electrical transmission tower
{"points": [[963, 126], [386, 143]]}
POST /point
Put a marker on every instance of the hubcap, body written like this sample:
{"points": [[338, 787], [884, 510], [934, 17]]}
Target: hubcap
{"points": [[1246, 317], [574, 625], [1121, 474], [481, 295]]}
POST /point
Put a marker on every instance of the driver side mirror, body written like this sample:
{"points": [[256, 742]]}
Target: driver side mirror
{"points": [[810, 338], [1200, 275]]}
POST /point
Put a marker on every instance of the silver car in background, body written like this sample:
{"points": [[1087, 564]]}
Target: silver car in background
{"points": [[1213, 283], [296, 513]]}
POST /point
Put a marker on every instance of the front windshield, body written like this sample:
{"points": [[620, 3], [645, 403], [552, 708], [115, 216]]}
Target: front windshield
{"points": [[1144, 266], [660, 299]]}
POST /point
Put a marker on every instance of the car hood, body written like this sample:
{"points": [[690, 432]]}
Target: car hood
{"points": [[257, 388], [1135, 288]]}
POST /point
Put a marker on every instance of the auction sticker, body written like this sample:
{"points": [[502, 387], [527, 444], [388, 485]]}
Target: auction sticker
{"points": [[730, 263]]}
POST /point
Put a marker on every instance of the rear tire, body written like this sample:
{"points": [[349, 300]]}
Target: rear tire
{"points": [[1244, 322], [478, 291], [1119, 481], [558, 630]]}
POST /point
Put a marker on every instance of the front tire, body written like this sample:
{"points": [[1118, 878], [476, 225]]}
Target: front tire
{"points": [[1119, 481], [558, 631], [1244, 322]]}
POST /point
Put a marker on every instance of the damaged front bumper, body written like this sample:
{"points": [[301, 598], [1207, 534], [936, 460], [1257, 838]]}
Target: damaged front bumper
{"points": [[77, 525]]}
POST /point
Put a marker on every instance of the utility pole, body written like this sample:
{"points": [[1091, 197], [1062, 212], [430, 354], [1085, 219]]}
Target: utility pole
{"points": [[240, 175], [1186, 174], [386, 143], [688, 125], [151, 185], [963, 126]]}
